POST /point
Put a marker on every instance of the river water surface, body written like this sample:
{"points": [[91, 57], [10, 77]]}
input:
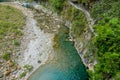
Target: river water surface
{"points": [[66, 64]]}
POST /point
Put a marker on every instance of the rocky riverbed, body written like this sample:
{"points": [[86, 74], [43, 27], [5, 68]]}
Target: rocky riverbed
{"points": [[36, 44]]}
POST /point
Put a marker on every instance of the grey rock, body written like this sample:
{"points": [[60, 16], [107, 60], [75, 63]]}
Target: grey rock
{"points": [[1, 78], [1, 75], [1, 61]]}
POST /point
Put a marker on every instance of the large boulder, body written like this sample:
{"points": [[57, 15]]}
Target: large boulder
{"points": [[7, 72], [10, 63]]}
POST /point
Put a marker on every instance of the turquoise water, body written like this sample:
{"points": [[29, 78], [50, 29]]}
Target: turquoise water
{"points": [[66, 64]]}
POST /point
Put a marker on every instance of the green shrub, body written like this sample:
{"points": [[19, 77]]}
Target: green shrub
{"points": [[16, 42], [6, 56], [61, 37], [79, 23], [22, 74], [106, 8], [108, 48], [28, 67], [57, 4], [107, 14], [78, 20]]}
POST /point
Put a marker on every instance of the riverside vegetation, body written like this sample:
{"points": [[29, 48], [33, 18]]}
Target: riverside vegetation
{"points": [[66, 64], [107, 16], [106, 44], [11, 26]]}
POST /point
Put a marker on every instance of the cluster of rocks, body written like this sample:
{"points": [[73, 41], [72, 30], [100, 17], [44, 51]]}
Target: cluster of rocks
{"points": [[84, 48], [47, 20], [8, 70]]}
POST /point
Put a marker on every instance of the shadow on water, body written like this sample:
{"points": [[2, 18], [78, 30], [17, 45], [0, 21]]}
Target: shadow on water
{"points": [[66, 64]]}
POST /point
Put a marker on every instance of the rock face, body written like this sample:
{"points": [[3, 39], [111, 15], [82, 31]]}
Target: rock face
{"points": [[84, 47], [84, 43]]}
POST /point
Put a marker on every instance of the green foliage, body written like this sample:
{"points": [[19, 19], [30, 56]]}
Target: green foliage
{"points": [[16, 42], [11, 26], [106, 8], [79, 23], [61, 37], [109, 66], [22, 74], [108, 36], [57, 4], [28, 67], [91, 74], [6, 56], [77, 18], [108, 44], [107, 14]]}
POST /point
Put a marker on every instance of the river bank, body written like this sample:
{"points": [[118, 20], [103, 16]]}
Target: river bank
{"points": [[80, 22], [36, 45], [66, 64], [83, 46]]}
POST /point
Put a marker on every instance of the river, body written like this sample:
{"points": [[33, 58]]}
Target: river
{"points": [[66, 64]]}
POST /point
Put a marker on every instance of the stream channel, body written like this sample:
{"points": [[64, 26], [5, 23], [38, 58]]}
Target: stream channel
{"points": [[66, 64]]}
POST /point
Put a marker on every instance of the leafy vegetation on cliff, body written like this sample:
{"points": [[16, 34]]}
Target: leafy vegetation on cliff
{"points": [[107, 14], [57, 4], [77, 18], [11, 25]]}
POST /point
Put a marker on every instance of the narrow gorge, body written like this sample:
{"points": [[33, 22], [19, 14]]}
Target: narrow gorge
{"points": [[59, 40]]}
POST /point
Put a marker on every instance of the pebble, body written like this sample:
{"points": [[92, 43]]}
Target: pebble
{"points": [[18, 67], [1, 75], [13, 69], [10, 63], [1, 61]]}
